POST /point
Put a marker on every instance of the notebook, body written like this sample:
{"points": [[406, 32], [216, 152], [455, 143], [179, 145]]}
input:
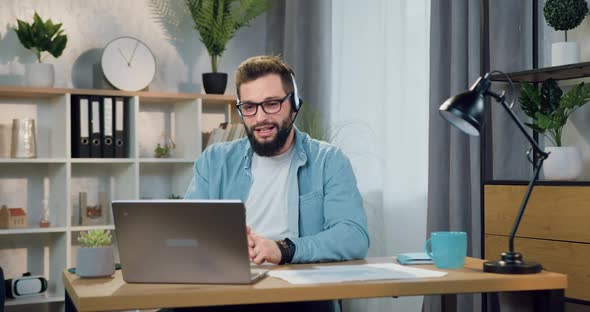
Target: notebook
{"points": [[414, 258]]}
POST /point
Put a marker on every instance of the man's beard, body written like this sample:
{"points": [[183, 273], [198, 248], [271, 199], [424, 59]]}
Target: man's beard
{"points": [[270, 148]]}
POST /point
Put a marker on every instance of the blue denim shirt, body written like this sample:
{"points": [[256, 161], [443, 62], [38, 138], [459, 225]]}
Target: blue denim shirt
{"points": [[325, 214]]}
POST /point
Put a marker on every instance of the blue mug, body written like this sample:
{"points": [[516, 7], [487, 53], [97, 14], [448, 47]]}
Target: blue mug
{"points": [[449, 249]]}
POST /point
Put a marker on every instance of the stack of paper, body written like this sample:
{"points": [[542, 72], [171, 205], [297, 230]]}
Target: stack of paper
{"points": [[350, 273]]}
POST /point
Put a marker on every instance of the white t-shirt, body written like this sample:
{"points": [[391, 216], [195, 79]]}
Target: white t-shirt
{"points": [[266, 207]]}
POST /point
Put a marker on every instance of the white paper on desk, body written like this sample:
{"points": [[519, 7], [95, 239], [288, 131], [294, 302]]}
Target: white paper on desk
{"points": [[351, 273]]}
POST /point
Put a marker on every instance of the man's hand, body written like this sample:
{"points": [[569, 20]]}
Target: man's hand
{"points": [[261, 249]]}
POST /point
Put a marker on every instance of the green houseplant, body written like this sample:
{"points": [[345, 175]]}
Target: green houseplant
{"points": [[217, 22], [39, 37], [95, 257], [549, 108], [565, 15]]}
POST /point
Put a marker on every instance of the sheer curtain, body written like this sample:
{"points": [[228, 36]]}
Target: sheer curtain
{"points": [[380, 66], [365, 66]]}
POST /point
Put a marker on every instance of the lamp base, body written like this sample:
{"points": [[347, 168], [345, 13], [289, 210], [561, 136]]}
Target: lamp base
{"points": [[512, 263]]}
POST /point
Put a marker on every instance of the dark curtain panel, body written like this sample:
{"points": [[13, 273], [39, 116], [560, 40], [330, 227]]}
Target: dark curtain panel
{"points": [[454, 164], [300, 30], [454, 198]]}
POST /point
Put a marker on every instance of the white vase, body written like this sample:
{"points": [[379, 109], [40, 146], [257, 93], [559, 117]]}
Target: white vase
{"points": [[564, 163], [39, 75], [563, 53], [95, 261]]}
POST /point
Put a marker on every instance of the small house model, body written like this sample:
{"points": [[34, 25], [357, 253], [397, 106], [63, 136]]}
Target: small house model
{"points": [[12, 218]]}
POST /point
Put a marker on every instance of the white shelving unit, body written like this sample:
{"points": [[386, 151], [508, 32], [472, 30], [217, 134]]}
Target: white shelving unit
{"points": [[153, 116]]}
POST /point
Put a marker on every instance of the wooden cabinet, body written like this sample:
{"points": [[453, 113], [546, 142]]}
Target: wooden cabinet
{"points": [[553, 231]]}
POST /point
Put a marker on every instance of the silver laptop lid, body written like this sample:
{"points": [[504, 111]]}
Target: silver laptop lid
{"points": [[182, 241]]}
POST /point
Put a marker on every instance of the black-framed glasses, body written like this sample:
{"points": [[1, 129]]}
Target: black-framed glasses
{"points": [[271, 106]]}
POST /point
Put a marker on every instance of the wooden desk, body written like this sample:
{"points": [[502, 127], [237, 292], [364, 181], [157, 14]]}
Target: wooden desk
{"points": [[106, 294]]}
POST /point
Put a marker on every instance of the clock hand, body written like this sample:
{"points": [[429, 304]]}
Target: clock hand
{"points": [[133, 53], [128, 63]]}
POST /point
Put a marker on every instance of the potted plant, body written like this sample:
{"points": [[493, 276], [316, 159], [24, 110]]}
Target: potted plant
{"points": [[217, 21], [565, 15], [549, 109], [95, 256], [41, 37]]}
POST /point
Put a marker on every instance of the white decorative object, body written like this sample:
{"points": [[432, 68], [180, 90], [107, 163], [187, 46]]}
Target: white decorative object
{"points": [[95, 261], [564, 163], [45, 218], [24, 142], [128, 64], [39, 75], [563, 53]]}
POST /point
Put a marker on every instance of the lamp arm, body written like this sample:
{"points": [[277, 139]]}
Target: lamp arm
{"points": [[541, 156], [525, 200]]}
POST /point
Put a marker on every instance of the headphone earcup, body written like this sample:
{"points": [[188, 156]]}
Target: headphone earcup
{"points": [[295, 102], [239, 113]]}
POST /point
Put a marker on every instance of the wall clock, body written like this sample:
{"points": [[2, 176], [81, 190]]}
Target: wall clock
{"points": [[128, 64]]}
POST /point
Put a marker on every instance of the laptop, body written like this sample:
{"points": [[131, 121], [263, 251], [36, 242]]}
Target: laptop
{"points": [[183, 241]]}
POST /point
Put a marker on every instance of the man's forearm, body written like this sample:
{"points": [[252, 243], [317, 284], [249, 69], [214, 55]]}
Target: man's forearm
{"points": [[344, 241]]}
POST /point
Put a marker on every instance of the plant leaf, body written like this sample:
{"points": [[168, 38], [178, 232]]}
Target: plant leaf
{"points": [[576, 97], [550, 96], [23, 32], [546, 122], [218, 20], [530, 99], [42, 36], [58, 45]]}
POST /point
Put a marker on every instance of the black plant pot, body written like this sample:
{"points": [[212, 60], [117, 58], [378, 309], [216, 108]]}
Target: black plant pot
{"points": [[215, 83]]}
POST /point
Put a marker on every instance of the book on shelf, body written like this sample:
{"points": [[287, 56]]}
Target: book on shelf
{"points": [[99, 126], [226, 132]]}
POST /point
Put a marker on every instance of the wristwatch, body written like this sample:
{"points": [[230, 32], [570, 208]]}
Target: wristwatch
{"points": [[287, 248]]}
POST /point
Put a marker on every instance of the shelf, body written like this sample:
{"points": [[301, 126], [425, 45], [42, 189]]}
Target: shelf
{"points": [[167, 160], [92, 227], [32, 160], [32, 230], [145, 96], [30, 92], [43, 298], [102, 160], [564, 72], [152, 118]]}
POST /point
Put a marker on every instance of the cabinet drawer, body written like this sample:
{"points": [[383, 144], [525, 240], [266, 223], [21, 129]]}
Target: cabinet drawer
{"points": [[553, 212], [562, 257]]}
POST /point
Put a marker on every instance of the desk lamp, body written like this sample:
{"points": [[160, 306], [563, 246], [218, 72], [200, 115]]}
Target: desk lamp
{"points": [[465, 111]]}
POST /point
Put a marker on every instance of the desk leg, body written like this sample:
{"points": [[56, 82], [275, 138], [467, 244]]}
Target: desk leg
{"points": [[448, 303], [549, 300], [70, 307]]}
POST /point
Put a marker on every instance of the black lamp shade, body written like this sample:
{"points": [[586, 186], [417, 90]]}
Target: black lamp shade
{"points": [[464, 111]]}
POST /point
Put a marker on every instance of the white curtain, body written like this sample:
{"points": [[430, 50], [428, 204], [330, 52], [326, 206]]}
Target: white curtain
{"points": [[380, 96], [365, 66]]}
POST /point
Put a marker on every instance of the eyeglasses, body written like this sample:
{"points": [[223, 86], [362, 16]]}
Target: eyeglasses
{"points": [[272, 106]]}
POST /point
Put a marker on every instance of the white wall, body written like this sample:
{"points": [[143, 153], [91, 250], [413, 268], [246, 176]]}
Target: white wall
{"points": [[164, 25], [380, 95], [577, 131]]}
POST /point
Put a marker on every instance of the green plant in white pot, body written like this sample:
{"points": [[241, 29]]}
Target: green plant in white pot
{"points": [[95, 257], [565, 15], [217, 22], [39, 37], [550, 109]]}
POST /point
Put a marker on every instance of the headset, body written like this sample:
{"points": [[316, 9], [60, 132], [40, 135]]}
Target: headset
{"points": [[296, 101]]}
